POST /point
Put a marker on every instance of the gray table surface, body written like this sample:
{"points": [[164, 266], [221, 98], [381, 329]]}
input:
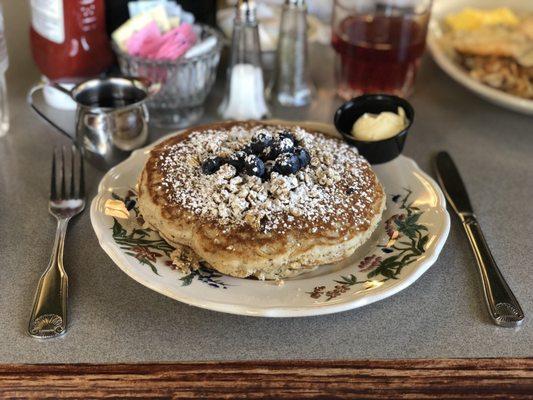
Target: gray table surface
{"points": [[115, 319]]}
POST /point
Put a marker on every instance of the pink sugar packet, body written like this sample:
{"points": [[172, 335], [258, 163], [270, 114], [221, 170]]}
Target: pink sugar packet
{"points": [[177, 42], [150, 43], [138, 40]]}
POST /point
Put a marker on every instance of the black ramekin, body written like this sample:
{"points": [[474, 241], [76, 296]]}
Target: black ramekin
{"points": [[380, 151]]}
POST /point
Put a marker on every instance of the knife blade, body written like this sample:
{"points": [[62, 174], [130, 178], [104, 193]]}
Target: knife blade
{"points": [[452, 184], [502, 305]]}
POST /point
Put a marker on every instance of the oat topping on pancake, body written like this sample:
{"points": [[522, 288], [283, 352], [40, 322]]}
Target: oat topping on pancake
{"points": [[335, 188], [257, 199]]}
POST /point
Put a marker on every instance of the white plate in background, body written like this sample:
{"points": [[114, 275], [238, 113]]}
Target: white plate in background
{"points": [[445, 58]]}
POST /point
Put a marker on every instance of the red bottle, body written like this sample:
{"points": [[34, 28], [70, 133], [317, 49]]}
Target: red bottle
{"points": [[68, 38]]}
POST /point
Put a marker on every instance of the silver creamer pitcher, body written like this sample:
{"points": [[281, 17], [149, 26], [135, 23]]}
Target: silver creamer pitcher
{"points": [[111, 116]]}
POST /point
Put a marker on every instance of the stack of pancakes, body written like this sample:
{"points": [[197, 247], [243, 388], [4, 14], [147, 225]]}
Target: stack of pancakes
{"points": [[243, 225]]}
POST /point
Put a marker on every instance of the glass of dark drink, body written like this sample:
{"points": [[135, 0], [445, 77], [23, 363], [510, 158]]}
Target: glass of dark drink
{"points": [[379, 44]]}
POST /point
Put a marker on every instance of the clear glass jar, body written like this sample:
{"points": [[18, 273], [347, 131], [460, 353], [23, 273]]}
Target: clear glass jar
{"points": [[185, 82]]}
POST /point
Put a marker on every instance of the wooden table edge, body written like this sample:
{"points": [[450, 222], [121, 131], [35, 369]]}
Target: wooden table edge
{"points": [[472, 378]]}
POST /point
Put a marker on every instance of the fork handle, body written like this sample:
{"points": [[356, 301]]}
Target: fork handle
{"points": [[503, 307], [49, 315]]}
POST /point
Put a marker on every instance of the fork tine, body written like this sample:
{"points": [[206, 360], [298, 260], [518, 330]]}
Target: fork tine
{"points": [[82, 177], [72, 169], [63, 170], [53, 186]]}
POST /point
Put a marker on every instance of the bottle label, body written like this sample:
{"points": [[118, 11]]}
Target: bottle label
{"points": [[47, 19]]}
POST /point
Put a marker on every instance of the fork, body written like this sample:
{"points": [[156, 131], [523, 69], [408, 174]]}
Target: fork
{"points": [[49, 315]]}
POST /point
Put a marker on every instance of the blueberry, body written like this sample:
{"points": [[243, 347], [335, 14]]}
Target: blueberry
{"points": [[212, 165], [278, 147], [253, 165], [285, 145], [237, 159], [303, 156], [286, 134], [248, 149], [261, 140], [286, 164], [268, 154]]}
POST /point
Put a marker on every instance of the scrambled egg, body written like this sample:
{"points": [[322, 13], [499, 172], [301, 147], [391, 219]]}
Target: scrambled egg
{"points": [[472, 18]]}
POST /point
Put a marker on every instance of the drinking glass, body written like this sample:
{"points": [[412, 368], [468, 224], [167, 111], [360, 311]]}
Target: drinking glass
{"points": [[378, 44]]}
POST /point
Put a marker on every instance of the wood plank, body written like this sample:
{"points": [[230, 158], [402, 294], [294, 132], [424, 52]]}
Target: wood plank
{"points": [[383, 379]]}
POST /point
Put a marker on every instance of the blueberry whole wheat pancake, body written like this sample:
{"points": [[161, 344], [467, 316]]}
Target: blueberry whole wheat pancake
{"points": [[257, 199]]}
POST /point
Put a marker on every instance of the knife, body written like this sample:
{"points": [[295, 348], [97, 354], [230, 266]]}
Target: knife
{"points": [[501, 302]]}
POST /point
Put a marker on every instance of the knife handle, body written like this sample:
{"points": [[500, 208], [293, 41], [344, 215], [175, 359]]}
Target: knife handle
{"points": [[501, 302]]}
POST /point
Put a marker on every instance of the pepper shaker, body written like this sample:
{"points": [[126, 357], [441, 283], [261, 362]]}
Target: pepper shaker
{"points": [[292, 84], [244, 96]]}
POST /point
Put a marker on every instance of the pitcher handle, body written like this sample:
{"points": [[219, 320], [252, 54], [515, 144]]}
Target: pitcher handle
{"points": [[29, 99], [63, 89]]}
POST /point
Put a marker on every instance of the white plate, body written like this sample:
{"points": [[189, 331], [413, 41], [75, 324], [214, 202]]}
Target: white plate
{"points": [[445, 58], [329, 289]]}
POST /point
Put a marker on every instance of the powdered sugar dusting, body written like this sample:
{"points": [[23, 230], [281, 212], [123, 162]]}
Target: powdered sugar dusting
{"points": [[334, 190]]}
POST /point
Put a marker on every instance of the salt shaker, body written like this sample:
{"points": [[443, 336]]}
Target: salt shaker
{"points": [[244, 97], [292, 84]]}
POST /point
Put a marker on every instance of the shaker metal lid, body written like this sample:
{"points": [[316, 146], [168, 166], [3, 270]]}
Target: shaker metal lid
{"points": [[246, 11], [296, 3]]}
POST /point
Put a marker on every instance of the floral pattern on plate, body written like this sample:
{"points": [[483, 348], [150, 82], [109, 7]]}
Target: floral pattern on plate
{"points": [[145, 245], [407, 239]]}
